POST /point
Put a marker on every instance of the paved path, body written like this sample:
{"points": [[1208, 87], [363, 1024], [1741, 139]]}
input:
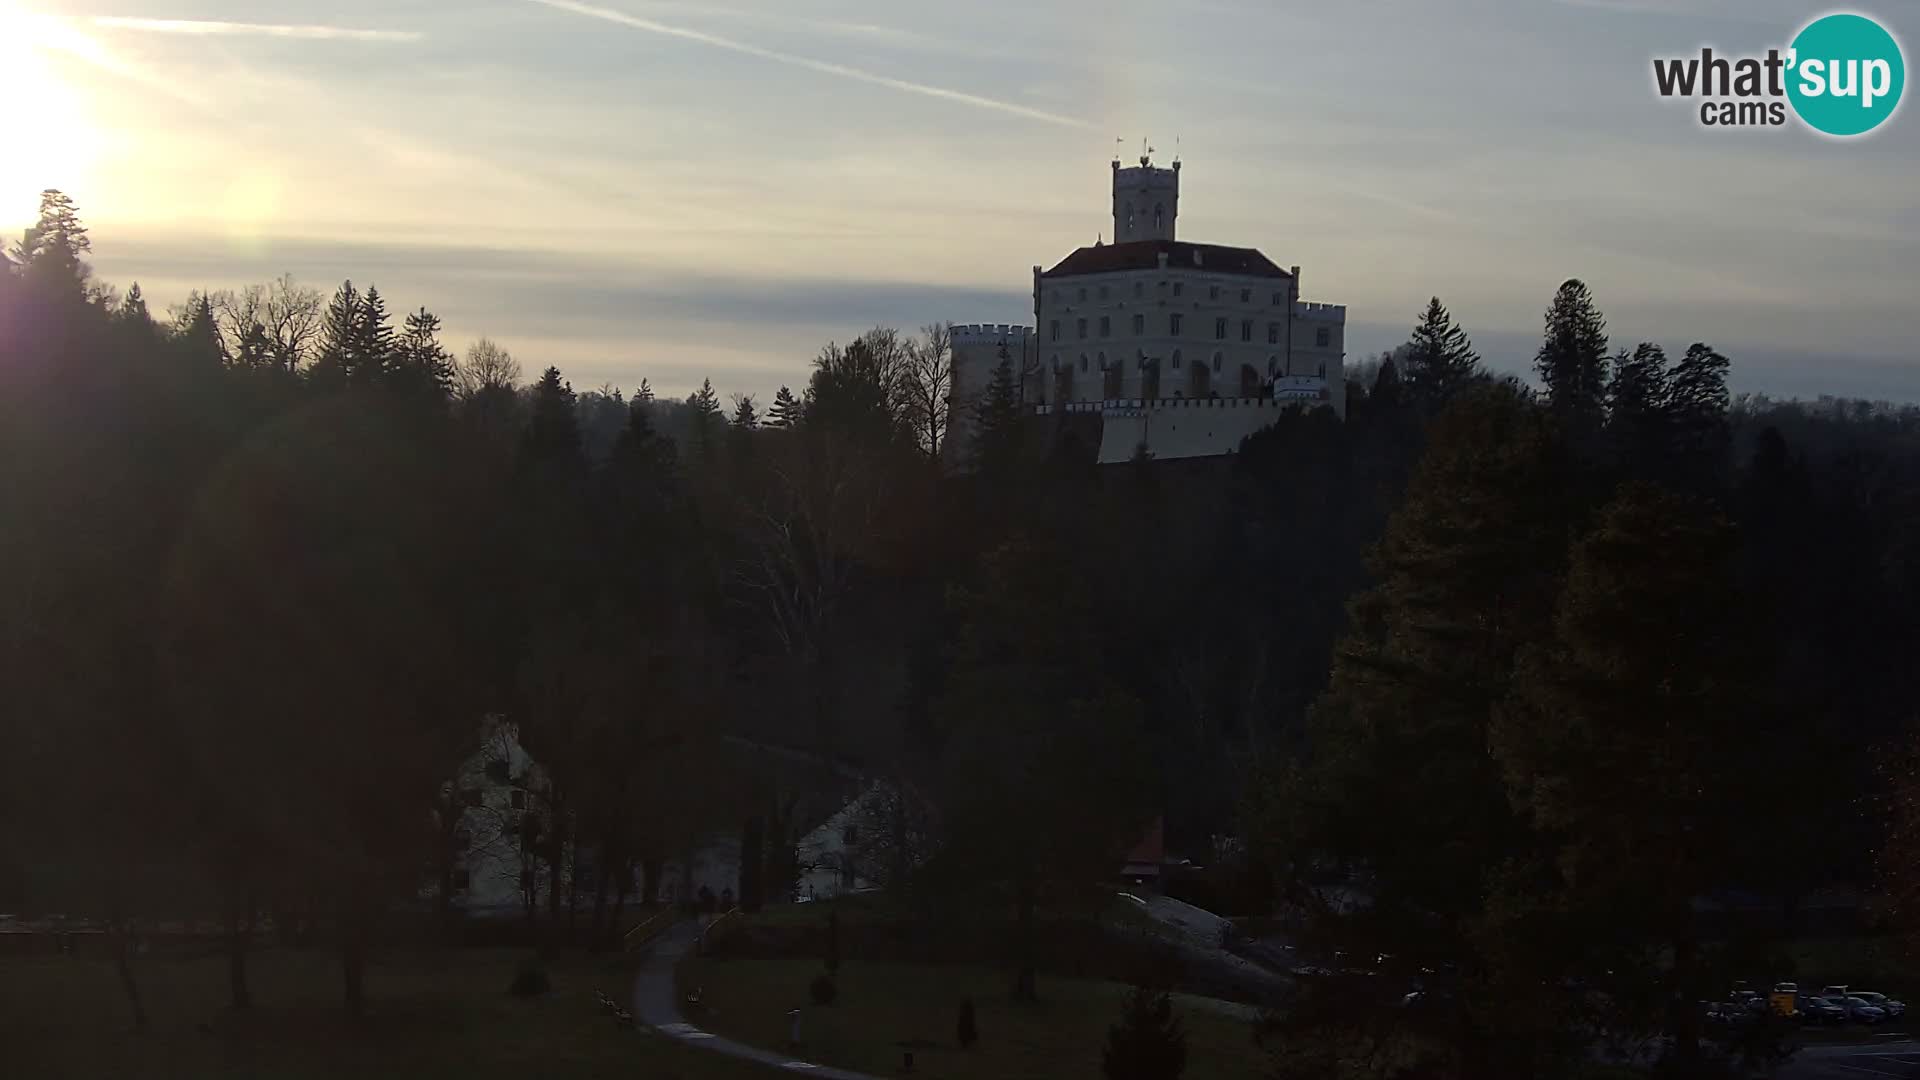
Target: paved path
{"points": [[656, 1003]]}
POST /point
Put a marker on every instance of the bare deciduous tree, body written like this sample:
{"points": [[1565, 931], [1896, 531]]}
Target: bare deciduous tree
{"points": [[286, 312], [926, 386], [485, 365]]}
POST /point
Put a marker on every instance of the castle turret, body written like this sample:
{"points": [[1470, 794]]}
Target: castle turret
{"points": [[1146, 200]]}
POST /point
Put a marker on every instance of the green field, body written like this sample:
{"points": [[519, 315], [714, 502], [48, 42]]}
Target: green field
{"points": [[430, 1014], [884, 1009]]}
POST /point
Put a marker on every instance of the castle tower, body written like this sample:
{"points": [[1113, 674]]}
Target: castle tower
{"points": [[1146, 201]]}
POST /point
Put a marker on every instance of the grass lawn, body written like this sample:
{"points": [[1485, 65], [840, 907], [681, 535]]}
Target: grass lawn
{"points": [[430, 1014], [882, 1005]]}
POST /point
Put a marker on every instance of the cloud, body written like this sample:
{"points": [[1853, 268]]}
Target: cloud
{"points": [[197, 27], [810, 64]]}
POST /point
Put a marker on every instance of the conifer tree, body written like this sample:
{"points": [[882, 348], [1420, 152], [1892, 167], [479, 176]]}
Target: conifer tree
{"points": [[50, 252], [199, 335], [423, 365], [1696, 405], [373, 340], [553, 426], [1439, 358], [996, 426], [1386, 384], [1572, 361], [744, 416], [645, 393], [707, 421], [1636, 408], [340, 329], [786, 410], [133, 308]]}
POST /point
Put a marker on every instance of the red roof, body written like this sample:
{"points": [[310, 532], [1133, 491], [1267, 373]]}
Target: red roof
{"points": [[1145, 255]]}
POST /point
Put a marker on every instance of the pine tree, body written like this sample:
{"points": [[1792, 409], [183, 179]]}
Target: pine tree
{"points": [[553, 426], [1386, 384], [423, 365], [373, 340], [744, 417], [785, 412], [707, 421], [133, 309], [1440, 361], [199, 334], [1636, 408], [50, 251], [1696, 407], [338, 354], [1148, 1043], [996, 426], [645, 393], [1572, 361]]}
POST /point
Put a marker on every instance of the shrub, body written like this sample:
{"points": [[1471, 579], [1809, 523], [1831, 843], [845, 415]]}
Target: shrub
{"points": [[823, 990], [1148, 1042]]}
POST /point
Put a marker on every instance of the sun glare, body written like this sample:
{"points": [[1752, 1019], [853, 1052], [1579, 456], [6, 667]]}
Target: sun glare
{"points": [[48, 137]]}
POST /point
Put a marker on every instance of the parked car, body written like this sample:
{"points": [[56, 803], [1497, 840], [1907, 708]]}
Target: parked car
{"points": [[1860, 1011], [1819, 1010], [1893, 1009]]}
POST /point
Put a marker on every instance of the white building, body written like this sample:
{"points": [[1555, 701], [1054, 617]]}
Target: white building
{"points": [[1180, 347]]}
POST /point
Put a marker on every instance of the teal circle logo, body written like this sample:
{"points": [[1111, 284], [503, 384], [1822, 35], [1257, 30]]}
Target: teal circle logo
{"points": [[1845, 74]]}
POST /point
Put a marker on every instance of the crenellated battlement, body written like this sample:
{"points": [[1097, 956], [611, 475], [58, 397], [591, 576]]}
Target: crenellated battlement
{"points": [[1282, 398], [1319, 312], [989, 333]]}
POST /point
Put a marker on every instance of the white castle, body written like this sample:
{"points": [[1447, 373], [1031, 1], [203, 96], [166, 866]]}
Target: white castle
{"points": [[1182, 348]]}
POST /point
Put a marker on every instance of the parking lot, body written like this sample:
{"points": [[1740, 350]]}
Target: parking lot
{"points": [[1896, 1056]]}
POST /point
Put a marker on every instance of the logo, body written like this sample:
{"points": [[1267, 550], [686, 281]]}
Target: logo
{"points": [[1842, 75]]}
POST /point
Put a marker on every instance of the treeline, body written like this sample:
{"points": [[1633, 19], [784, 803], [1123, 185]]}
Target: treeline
{"points": [[1493, 681]]}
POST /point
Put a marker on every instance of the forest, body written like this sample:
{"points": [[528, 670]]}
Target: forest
{"points": [[1490, 682]]}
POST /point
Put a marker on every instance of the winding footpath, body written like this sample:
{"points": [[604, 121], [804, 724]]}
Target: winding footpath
{"points": [[656, 1003]]}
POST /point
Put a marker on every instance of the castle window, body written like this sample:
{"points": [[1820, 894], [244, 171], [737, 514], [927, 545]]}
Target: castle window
{"points": [[1213, 292], [1083, 293], [1103, 292], [1216, 361], [1273, 366], [1139, 324], [1323, 369], [1102, 361], [1323, 336], [1129, 219], [1083, 361], [1173, 323], [1106, 326], [1081, 328], [1246, 329], [1279, 298], [1273, 333], [1177, 287], [1246, 296], [1054, 329], [1139, 288], [1176, 359], [1159, 216], [1219, 329]]}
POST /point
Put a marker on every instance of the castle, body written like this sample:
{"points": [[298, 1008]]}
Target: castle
{"points": [[1181, 348]]}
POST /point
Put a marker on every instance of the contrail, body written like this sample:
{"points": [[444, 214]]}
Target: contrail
{"points": [[200, 27], [822, 66]]}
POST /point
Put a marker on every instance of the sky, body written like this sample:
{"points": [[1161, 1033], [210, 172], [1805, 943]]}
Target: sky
{"points": [[681, 190]]}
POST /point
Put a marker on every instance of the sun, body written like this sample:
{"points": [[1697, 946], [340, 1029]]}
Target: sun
{"points": [[48, 137]]}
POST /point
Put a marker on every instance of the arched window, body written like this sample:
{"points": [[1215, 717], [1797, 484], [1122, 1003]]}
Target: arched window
{"points": [[1159, 217], [1129, 219], [1323, 369], [1176, 359], [1103, 361], [1217, 358], [1083, 361]]}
